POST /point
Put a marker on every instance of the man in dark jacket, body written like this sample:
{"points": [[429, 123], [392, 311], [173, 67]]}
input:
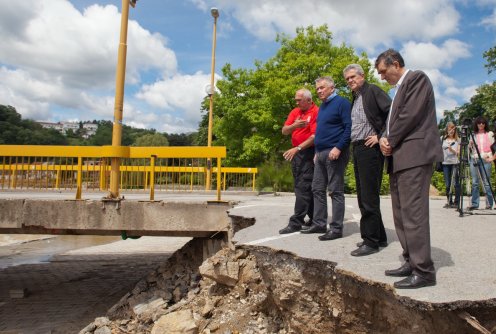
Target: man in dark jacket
{"points": [[368, 116], [411, 145]]}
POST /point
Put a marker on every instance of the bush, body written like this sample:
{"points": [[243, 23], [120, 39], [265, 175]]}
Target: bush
{"points": [[438, 182], [275, 176]]}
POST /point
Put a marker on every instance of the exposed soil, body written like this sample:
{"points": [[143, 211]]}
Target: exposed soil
{"points": [[250, 289]]}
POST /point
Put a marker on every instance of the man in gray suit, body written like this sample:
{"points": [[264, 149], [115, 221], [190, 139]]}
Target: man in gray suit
{"points": [[411, 145]]}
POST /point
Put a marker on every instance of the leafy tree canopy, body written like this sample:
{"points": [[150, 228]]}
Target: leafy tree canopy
{"points": [[253, 104], [490, 56], [16, 131], [483, 103], [103, 135], [152, 139], [181, 139]]}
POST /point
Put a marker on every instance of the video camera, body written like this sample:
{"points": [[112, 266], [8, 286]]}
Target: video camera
{"points": [[465, 130]]}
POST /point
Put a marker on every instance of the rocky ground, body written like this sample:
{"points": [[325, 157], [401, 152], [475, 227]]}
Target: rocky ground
{"points": [[248, 289]]}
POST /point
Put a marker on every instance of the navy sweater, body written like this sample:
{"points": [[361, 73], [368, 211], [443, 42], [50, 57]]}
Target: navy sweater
{"points": [[333, 124]]}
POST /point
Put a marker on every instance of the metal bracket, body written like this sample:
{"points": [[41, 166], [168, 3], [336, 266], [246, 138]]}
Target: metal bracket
{"points": [[117, 201]]}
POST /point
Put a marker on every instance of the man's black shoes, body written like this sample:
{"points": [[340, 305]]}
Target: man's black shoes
{"points": [[289, 229], [330, 236], [315, 229], [364, 250], [381, 244], [403, 271], [414, 282]]}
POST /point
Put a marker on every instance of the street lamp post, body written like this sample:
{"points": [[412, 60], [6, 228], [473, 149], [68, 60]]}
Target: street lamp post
{"points": [[215, 14], [119, 99]]}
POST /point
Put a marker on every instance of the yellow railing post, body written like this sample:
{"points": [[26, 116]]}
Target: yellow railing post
{"points": [[224, 182], [79, 181], [57, 178], [103, 173], [191, 181], [218, 178], [152, 177], [254, 181], [145, 172], [14, 177]]}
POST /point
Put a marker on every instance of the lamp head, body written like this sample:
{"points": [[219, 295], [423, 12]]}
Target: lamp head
{"points": [[215, 12], [133, 3], [209, 90]]}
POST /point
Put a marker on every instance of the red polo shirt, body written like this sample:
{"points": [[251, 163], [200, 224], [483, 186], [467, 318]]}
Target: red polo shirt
{"points": [[299, 135]]}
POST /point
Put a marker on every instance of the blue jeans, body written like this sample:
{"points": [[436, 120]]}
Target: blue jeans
{"points": [[329, 175], [448, 171], [474, 171]]}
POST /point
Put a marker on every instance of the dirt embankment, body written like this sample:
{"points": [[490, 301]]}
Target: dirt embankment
{"points": [[260, 290]]}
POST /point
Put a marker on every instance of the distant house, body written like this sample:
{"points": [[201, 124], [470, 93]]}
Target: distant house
{"points": [[63, 127], [70, 126], [90, 129], [57, 126]]}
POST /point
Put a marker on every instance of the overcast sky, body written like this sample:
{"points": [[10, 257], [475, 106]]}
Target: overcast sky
{"points": [[58, 57]]}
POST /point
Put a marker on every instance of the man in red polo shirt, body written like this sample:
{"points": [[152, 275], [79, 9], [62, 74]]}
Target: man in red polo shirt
{"points": [[301, 124]]}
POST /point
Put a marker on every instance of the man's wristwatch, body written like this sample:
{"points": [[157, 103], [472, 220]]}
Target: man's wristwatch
{"points": [[298, 148]]}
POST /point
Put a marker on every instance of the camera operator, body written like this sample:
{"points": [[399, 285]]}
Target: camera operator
{"points": [[493, 146], [451, 150], [484, 139], [493, 150]]}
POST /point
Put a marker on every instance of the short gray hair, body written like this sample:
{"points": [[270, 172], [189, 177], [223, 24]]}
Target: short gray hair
{"points": [[327, 79], [305, 92], [355, 67]]}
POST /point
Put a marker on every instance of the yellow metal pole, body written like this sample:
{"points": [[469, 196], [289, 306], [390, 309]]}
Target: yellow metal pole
{"points": [[215, 14], [79, 182], [14, 177], [218, 179], [119, 100], [152, 177], [145, 186], [103, 169], [253, 182]]}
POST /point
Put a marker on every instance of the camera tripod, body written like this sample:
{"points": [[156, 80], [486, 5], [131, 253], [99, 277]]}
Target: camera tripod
{"points": [[462, 173]]}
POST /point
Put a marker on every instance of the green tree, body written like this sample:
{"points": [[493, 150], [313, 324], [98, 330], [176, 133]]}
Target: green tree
{"points": [[152, 139], [103, 135], [483, 103], [181, 139], [253, 104], [16, 131], [490, 56]]}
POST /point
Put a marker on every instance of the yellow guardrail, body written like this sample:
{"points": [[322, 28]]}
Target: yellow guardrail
{"points": [[142, 168]]}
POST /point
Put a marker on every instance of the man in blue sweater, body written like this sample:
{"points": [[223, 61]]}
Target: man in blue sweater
{"points": [[332, 140]]}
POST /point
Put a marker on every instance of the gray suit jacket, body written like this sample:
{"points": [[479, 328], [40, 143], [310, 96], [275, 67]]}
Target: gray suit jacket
{"points": [[413, 133]]}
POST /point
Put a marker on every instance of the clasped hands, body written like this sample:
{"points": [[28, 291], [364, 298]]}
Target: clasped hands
{"points": [[386, 149]]}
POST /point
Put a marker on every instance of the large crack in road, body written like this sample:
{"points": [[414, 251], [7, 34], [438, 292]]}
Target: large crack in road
{"points": [[253, 289]]}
